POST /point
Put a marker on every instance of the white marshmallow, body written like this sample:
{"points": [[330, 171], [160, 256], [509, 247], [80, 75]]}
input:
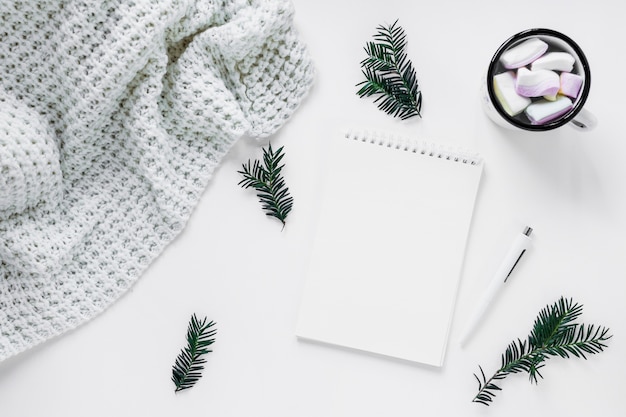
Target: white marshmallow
{"points": [[504, 87], [543, 111], [537, 83], [557, 61], [524, 53]]}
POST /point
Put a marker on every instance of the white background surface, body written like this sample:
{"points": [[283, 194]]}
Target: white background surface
{"points": [[236, 266]]}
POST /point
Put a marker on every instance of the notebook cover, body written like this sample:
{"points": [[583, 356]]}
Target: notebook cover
{"points": [[389, 246]]}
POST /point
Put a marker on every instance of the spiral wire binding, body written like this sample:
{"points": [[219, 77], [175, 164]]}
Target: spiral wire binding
{"points": [[401, 142]]}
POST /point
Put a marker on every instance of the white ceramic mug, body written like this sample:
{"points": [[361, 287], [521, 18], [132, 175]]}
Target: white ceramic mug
{"points": [[577, 116]]}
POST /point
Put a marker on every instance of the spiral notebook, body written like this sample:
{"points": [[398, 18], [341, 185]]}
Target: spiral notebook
{"points": [[389, 246]]}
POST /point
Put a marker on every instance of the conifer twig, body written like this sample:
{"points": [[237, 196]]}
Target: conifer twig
{"points": [[390, 75], [554, 333], [267, 180], [187, 369]]}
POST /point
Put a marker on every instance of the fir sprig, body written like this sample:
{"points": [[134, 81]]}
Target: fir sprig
{"points": [[390, 75], [554, 334], [189, 364], [272, 192]]}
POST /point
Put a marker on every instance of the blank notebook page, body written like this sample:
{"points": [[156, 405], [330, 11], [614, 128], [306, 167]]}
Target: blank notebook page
{"points": [[389, 246]]}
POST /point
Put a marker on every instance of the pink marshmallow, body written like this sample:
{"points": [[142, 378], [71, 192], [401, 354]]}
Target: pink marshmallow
{"points": [[570, 84], [523, 53], [537, 83]]}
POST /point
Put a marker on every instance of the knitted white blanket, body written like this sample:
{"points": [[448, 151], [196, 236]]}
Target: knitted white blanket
{"points": [[113, 115]]}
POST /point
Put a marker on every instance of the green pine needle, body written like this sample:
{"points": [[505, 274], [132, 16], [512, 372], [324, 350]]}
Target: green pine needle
{"points": [[390, 75], [189, 364], [554, 334], [272, 192]]}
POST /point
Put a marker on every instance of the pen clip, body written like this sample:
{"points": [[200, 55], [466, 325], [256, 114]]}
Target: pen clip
{"points": [[515, 264]]}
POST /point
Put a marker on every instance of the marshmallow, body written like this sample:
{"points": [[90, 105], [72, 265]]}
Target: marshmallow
{"points": [[543, 111], [537, 83], [524, 53], [504, 87], [556, 61], [551, 98], [570, 84]]}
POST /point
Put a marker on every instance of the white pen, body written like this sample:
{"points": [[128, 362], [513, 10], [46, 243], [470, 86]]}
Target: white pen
{"points": [[513, 256]]}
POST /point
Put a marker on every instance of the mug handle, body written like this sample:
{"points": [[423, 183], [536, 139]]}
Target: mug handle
{"points": [[584, 120]]}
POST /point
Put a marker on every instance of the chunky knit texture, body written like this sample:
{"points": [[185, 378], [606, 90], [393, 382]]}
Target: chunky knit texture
{"points": [[113, 115]]}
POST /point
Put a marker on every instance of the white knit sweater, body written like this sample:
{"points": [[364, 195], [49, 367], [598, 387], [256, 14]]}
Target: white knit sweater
{"points": [[113, 115]]}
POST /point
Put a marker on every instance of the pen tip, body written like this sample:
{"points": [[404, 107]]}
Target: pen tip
{"points": [[528, 230]]}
